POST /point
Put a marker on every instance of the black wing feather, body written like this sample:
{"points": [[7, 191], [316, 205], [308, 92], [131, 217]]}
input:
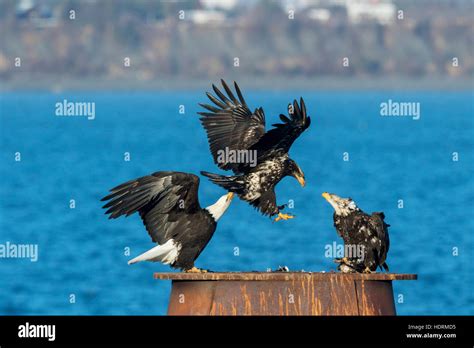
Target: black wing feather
{"points": [[380, 229], [231, 125], [163, 199], [280, 138]]}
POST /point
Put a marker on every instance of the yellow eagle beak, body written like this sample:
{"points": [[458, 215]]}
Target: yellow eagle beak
{"points": [[326, 195], [301, 180]]}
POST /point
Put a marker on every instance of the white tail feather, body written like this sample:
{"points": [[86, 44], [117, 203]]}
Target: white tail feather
{"points": [[166, 253]]}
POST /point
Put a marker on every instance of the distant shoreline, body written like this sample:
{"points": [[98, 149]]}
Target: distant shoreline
{"points": [[41, 83]]}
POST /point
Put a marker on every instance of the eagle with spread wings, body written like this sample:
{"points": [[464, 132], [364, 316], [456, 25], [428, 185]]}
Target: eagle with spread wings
{"points": [[258, 158]]}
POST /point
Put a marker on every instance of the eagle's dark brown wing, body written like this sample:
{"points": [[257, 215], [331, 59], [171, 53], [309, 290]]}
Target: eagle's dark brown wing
{"points": [[163, 199], [230, 125], [278, 140]]}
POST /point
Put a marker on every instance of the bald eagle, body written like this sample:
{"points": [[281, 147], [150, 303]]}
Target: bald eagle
{"points": [[366, 234], [169, 206], [233, 129]]}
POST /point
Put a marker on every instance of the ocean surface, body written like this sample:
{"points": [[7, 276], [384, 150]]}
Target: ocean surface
{"points": [[82, 256]]}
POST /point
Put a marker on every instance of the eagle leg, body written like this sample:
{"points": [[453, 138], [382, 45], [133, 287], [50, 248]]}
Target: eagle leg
{"points": [[195, 270], [282, 216], [367, 270]]}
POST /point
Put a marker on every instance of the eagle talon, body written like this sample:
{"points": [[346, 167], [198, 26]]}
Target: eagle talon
{"points": [[367, 270], [195, 270], [283, 217]]}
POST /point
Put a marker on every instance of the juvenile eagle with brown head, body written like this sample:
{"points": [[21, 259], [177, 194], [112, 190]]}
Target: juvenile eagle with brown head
{"points": [[232, 128], [362, 232]]}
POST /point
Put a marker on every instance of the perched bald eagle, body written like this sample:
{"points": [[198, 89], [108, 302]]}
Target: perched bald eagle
{"points": [[236, 136], [169, 207], [359, 229]]}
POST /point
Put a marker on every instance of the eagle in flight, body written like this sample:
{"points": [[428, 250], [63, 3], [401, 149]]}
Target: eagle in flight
{"points": [[232, 128]]}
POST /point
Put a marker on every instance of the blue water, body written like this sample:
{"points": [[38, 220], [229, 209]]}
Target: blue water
{"points": [[81, 252]]}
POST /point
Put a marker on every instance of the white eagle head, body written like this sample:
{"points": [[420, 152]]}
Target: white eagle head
{"points": [[219, 208]]}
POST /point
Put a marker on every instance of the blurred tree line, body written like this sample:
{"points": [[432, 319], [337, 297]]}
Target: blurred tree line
{"points": [[433, 38]]}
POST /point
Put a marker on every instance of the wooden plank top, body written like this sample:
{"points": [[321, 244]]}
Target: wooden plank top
{"points": [[281, 276]]}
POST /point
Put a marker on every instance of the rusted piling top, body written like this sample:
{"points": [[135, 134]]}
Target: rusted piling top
{"points": [[282, 276], [282, 293]]}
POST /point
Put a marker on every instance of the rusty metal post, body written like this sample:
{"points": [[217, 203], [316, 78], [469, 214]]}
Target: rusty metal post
{"points": [[278, 293]]}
